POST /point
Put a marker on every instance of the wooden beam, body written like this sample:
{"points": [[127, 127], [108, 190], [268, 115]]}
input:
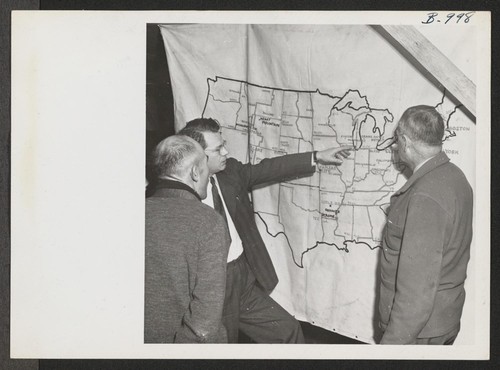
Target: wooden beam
{"points": [[436, 63]]}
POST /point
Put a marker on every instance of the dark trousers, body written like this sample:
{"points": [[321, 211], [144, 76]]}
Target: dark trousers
{"points": [[247, 307]]}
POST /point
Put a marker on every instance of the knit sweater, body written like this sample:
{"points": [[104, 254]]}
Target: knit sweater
{"points": [[186, 251]]}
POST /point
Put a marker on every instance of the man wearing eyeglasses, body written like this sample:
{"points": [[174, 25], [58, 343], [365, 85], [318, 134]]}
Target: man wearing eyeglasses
{"points": [[250, 273], [426, 240]]}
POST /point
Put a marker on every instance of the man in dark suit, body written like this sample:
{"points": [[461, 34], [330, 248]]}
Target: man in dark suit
{"points": [[250, 273]]}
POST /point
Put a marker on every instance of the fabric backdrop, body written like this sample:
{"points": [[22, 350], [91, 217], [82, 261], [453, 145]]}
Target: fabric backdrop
{"points": [[279, 89]]}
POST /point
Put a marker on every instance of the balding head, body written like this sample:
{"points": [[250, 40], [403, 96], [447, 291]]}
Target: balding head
{"points": [[419, 135], [183, 159], [174, 155], [423, 124]]}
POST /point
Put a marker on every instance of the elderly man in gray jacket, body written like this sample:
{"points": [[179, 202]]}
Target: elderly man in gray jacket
{"points": [[186, 250]]}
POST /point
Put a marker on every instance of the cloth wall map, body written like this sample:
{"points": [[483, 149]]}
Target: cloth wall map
{"points": [[279, 89]]}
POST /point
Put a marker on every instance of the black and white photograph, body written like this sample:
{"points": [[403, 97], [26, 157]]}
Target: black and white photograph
{"points": [[282, 185]]}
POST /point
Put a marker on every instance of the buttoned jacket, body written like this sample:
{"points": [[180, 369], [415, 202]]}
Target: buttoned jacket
{"points": [[426, 248]]}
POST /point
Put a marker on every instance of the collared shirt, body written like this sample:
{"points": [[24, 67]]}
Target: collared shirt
{"points": [[236, 247], [421, 164]]}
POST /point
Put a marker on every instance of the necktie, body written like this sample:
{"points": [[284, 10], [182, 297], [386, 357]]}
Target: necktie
{"points": [[218, 206]]}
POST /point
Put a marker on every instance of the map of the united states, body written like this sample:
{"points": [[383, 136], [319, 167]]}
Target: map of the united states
{"points": [[339, 206]]}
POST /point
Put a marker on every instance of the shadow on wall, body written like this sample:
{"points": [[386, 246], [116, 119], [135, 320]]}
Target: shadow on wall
{"points": [[377, 332], [159, 97]]}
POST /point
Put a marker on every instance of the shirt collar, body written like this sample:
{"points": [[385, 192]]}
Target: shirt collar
{"points": [[422, 163], [423, 169]]}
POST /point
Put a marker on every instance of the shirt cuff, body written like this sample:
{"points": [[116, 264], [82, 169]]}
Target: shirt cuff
{"points": [[313, 162]]}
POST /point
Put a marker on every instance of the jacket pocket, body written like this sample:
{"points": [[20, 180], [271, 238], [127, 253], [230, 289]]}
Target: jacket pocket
{"points": [[393, 236]]}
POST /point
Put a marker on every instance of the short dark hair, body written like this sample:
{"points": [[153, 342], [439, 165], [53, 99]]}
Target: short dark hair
{"points": [[173, 154], [423, 123], [196, 127]]}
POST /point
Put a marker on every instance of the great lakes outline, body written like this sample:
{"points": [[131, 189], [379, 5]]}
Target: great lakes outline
{"points": [[339, 206]]}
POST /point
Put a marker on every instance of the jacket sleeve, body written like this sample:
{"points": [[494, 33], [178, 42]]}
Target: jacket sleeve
{"points": [[202, 323], [275, 169], [419, 270]]}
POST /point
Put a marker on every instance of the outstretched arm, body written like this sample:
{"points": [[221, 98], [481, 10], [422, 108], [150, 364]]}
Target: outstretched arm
{"points": [[334, 155], [286, 167]]}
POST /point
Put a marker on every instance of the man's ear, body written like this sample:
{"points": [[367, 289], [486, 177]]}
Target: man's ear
{"points": [[195, 173], [404, 140]]}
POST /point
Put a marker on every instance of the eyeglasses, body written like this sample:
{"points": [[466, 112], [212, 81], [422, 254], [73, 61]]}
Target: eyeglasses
{"points": [[219, 150], [396, 137]]}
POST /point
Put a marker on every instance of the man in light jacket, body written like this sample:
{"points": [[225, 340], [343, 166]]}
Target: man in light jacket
{"points": [[426, 241]]}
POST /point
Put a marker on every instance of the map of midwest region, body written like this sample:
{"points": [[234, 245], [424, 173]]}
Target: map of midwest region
{"points": [[339, 206]]}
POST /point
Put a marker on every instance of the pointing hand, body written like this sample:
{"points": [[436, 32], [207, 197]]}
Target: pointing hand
{"points": [[334, 155]]}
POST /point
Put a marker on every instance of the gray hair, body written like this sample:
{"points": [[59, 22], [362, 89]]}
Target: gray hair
{"points": [[424, 124], [174, 155]]}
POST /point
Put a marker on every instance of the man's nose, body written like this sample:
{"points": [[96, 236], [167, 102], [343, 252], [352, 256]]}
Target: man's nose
{"points": [[224, 151]]}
